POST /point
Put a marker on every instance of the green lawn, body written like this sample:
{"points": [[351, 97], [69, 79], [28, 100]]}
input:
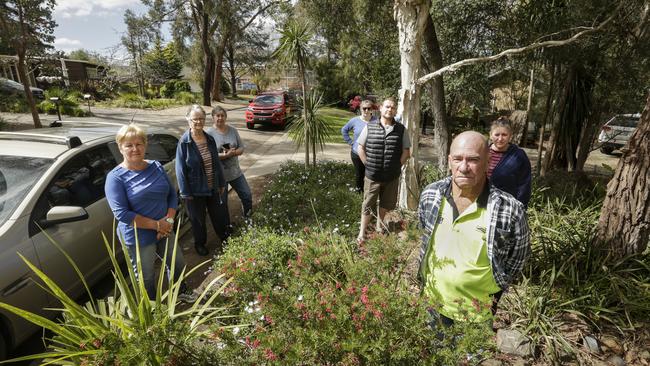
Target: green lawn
{"points": [[336, 118]]}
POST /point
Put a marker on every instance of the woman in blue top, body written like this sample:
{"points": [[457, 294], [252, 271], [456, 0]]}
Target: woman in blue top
{"points": [[144, 202], [509, 166], [356, 125], [201, 181]]}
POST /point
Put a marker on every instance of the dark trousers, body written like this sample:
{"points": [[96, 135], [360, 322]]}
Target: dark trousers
{"points": [[218, 212], [359, 171]]}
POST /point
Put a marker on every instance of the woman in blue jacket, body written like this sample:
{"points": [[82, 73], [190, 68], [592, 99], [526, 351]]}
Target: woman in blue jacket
{"points": [[200, 180], [509, 168], [356, 125]]}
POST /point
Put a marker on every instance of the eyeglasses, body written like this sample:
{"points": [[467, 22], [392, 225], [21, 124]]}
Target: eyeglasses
{"points": [[198, 120], [366, 109]]}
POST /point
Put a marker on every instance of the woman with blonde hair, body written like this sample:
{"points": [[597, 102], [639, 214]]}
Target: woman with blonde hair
{"points": [[144, 202]]}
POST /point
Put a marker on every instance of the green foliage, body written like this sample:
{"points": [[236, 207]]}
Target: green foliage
{"points": [[308, 126], [128, 327], [162, 63], [569, 283], [317, 299], [68, 103], [361, 44], [322, 196], [14, 103], [132, 100], [336, 119], [173, 87], [185, 97]]}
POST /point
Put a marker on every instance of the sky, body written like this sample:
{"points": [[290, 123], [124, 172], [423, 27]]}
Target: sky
{"points": [[95, 25]]}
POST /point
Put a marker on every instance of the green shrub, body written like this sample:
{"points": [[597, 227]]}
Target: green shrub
{"points": [[15, 103], [323, 195], [570, 282], [185, 97], [172, 87], [332, 303], [128, 328]]}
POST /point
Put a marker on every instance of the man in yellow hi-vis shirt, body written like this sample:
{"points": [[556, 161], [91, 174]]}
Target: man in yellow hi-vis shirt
{"points": [[475, 239]]}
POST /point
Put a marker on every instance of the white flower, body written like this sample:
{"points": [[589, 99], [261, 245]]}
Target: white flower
{"points": [[300, 297], [235, 330]]}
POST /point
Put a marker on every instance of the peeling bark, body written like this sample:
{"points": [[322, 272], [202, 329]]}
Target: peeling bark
{"points": [[411, 17], [624, 224]]}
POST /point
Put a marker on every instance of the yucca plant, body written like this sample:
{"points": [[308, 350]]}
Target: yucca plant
{"points": [[128, 327], [310, 126]]}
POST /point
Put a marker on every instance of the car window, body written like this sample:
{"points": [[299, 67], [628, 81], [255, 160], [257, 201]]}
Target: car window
{"points": [[80, 182], [622, 121], [268, 99], [159, 147], [17, 176]]}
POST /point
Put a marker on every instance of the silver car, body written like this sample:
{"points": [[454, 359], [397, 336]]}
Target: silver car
{"points": [[52, 182], [617, 131]]}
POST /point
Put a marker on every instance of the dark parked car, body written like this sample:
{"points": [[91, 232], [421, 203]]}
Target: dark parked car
{"points": [[10, 87], [271, 108]]}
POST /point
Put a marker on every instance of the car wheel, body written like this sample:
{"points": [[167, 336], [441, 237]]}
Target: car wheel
{"points": [[250, 126], [606, 150], [3, 347]]}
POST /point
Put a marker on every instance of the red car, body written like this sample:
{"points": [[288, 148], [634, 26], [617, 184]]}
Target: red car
{"points": [[269, 108]]}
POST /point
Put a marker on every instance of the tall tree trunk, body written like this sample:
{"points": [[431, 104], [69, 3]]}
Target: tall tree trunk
{"points": [[208, 58], [232, 68], [303, 82], [411, 17], [547, 112], [24, 78], [573, 112], [624, 224], [531, 90], [207, 76], [587, 138], [437, 91], [218, 71]]}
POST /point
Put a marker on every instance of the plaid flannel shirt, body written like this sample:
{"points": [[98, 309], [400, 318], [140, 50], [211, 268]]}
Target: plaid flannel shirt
{"points": [[507, 235]]}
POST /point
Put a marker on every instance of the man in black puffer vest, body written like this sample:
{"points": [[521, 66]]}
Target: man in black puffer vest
{"points": [[384, 146]]}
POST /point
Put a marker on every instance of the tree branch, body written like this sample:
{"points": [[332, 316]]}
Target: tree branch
{"points": [[515, 51], [259, 11]]}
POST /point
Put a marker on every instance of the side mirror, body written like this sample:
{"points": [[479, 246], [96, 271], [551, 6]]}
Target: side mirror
{"points": [[62, 214]]}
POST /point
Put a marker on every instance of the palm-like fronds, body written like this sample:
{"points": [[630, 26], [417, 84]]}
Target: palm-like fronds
{"points": [[310, 124], [107, 325]]}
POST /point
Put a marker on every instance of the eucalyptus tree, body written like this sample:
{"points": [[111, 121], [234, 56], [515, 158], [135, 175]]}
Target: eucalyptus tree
{"points": [[140, 33], [26, 27], [293, 49]]}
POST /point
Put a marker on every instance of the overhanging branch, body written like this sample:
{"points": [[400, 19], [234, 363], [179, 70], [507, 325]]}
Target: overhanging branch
{"points": [[515, 51]]}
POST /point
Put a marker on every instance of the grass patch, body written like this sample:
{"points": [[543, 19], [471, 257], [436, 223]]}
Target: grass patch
{"points": [[336, 118]]}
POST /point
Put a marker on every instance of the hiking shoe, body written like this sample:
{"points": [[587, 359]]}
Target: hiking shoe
{"points": [[201, 250], [187, 295]]}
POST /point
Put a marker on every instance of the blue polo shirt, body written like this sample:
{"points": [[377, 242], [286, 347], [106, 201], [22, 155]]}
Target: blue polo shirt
{"points": [[146, 192]]}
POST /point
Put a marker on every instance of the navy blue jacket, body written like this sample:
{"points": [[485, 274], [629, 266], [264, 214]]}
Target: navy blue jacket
{"points": [[190, 172], [512, 174]]}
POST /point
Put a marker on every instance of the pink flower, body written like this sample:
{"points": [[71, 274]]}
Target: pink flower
{"points": [[269, 355]]}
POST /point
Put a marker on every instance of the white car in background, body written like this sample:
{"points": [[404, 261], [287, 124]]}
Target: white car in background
{"points": [[617, 131], [52, 184]]}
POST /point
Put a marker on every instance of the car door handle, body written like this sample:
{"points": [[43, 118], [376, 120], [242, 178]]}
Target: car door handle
{"points": [[16, 286]]}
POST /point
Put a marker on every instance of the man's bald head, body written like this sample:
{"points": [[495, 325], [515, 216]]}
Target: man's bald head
{"points": [[468, 160], [471, 138]]}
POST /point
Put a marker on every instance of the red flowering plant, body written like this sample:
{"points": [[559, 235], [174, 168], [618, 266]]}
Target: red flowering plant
{"points": [[328, 304]]}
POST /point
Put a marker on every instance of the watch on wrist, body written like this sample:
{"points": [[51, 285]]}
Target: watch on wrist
{"points": [[170, 220]]}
